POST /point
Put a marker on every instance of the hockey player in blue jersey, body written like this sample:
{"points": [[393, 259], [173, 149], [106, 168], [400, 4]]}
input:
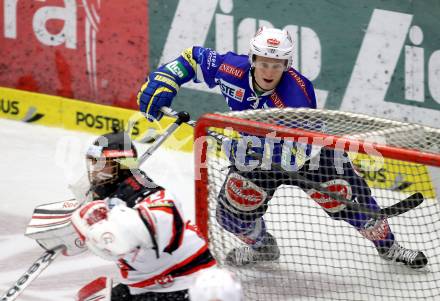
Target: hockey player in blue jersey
{"points": [[265, 79]]}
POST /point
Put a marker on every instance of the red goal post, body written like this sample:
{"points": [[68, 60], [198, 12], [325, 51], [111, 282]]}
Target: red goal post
{"points": [[397, 142]]}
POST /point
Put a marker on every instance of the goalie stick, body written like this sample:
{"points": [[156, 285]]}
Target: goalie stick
{"points": [[398, 208], [49, 255], [34, 270]]}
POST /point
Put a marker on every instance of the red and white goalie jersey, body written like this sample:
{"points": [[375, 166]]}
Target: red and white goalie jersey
{"points": [[156, 249]]}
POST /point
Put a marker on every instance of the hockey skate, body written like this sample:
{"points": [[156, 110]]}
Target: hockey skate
{"points": [[411, 258], [246, 255]]}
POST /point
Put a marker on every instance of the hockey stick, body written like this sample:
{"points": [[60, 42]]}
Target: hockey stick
{"points": [[182, 117], [404, 205], [151, 135], [398, 208], [34, 270]]}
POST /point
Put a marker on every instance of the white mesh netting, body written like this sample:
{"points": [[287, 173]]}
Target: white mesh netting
{"points": [[324, 257]]}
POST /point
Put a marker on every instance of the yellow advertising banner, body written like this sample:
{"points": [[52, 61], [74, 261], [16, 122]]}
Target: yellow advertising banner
{"points": [[394, 175], [86, 117]]}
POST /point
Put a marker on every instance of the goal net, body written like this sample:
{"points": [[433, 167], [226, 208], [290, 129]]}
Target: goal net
{"points": [[323, 257]]}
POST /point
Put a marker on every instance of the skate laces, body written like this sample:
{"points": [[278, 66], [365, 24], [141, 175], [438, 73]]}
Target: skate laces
{"points": [[244, 254], [398, 252]]}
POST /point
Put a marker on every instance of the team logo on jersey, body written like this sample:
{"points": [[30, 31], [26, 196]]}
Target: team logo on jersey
{"points": [[232, 91], [339, 186], [79, 243], [177, 69], [231, 70], [243, 194], [165, 281], [107, 238]]}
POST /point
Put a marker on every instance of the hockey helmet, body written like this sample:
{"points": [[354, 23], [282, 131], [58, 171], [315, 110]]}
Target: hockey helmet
{"points": [[110, 158], [272, 43]]}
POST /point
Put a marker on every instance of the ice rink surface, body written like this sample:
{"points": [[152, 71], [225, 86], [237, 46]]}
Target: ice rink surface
{"points": [[38, 163]]}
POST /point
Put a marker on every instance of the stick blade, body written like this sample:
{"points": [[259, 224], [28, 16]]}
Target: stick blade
{"points": [[405, 205]]}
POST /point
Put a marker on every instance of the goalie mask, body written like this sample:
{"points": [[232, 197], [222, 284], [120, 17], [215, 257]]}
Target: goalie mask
{"points": [[109, 161], [271, 43]]}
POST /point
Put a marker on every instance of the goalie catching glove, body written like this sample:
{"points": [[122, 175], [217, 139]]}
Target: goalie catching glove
{"points": [[111, 234]]}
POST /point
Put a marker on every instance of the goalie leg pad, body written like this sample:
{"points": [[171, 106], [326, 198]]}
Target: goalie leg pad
{"points": [[98, 289]]}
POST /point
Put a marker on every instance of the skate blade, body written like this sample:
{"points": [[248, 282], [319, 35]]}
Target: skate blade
{"points": [[401, 268], [257, 265]]}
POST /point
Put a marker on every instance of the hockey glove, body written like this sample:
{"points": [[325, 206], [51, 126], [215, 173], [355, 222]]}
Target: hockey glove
{"points": [[157, 92]]}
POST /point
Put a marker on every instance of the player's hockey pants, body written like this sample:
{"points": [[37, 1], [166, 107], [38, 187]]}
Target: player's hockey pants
{"points": [[245, 196]]}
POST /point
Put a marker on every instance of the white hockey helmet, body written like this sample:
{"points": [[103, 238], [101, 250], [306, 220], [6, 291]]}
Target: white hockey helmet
{"points": [[272, 43], [113, 233], [216, 284]]}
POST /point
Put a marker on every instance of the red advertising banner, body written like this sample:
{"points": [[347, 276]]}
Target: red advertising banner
{"points": [[84, 49]]}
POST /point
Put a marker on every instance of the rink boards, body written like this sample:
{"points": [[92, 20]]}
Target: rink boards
{"points": [[70, 114]]}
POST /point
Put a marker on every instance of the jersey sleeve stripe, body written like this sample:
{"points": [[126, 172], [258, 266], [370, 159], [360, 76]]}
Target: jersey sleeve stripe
{"points": [[300, 83]]}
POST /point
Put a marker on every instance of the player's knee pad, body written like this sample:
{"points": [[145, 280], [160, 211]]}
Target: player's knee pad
{"points": [[330, 205], [240, 194], [375, 230]]}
